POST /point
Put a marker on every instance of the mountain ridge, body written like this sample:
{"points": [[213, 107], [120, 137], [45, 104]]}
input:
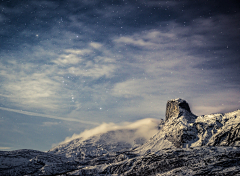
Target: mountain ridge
{"points": [[183, 144]]}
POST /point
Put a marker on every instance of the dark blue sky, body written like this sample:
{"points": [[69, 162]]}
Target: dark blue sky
{"points": [[67, 66]]}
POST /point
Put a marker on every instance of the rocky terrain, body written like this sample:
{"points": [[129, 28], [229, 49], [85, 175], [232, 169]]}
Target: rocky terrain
{"points": [[184, 144]]}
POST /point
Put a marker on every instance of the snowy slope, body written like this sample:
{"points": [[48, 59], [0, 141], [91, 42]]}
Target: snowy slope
{"points": [[168, 162]]}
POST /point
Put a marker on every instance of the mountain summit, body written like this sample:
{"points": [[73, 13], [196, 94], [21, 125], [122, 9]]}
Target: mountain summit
{"points": [[176, 107]]}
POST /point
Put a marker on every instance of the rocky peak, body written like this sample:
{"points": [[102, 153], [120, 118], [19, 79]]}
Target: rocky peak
{"points": [[175, 108]]}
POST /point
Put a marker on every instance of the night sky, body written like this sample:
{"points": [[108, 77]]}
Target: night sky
{"points": [[67, 66]]}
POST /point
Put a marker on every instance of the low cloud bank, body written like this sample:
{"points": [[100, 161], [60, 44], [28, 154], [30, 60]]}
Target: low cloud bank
{"points": [[144, 128], [5, 148]]}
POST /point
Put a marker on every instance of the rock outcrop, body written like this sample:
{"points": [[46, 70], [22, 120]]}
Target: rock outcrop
{"points": [[176, 107]]}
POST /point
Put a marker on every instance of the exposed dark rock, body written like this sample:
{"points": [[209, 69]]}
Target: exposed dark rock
{"points": [[174, 108], [195, 161], [182, 137], [227, 137]]}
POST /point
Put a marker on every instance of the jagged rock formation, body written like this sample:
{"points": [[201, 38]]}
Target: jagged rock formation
{"points": [[228, 130], [184, 145], [227, 137]]}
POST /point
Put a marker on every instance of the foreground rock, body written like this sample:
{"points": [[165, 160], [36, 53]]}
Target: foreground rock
{"points": [[168, 162], [32, 162]]}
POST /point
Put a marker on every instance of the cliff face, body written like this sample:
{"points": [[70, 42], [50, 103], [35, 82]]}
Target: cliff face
{"points": [[176, 107]]}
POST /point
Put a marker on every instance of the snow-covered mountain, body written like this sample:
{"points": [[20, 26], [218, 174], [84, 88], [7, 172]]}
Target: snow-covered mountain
{"points": [[182, 129], [107, 139], [183, 144]]}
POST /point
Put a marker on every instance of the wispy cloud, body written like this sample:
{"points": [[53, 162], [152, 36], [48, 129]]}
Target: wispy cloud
{"points": [[49, 124], [71, 57], [5, 148], [49, 116]]}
